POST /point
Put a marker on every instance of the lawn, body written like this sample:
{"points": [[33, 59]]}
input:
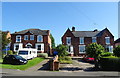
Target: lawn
{"points": [[30, 63], [110, 57]]}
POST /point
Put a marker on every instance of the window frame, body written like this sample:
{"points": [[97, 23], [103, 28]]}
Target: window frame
{"points": [[17, 38], [106, 40], [32, 37], [81, 38], [39, 36], [67, 40], [80, 49], [26, 36], [94, 39], [42, 46]]}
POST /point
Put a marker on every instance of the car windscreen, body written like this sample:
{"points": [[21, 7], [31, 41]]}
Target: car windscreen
{"points": [[23, 52], [18, 57]]}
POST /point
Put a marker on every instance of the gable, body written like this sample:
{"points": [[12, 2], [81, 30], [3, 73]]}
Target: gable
{"points": [[68, 33]]}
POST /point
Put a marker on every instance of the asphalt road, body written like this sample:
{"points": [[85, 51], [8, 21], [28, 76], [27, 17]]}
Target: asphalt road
{"points": [[12, 72]]}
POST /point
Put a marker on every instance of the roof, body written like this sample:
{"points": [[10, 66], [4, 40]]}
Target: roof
{"points": [[33, 31], [94, 33], [117, 41], [85, 33]]}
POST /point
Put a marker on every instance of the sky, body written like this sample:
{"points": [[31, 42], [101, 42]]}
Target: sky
{"points": [[59, 16]]}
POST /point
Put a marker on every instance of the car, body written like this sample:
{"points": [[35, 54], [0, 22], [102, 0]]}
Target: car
{"points": [[14, 59], [88, 59]]}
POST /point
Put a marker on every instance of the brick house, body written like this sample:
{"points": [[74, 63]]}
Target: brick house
{"points": [[117, 42], [32, 38], [78, 40]]}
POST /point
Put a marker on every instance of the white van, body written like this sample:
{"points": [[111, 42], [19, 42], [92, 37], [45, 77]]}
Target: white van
{"points": [[27, 53]]}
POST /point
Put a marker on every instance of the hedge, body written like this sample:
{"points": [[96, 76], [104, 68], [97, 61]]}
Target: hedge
{"points": [[110, 64]]}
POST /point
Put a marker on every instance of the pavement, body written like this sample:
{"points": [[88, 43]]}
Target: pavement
{"points": [[75, 69]]}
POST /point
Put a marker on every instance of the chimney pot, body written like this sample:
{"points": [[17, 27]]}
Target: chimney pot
{"points": [[73, 29]]}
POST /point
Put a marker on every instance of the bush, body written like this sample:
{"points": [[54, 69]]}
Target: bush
{"points": [[9, 52], [65, 59], [44, 55], [110, 63], [116, 51], [106, 54]]}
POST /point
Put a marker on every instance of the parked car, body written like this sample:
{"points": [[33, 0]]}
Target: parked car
{"points": [[88, 59], [14, 59]]}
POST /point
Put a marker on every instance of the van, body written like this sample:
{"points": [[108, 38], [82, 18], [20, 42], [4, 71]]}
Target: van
{"points": [[27, 53]]}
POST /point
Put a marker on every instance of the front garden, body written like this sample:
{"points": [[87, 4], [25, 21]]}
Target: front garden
{"points": [[30, 63]]}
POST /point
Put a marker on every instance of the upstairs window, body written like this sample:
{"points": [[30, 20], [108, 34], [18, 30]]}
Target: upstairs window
{"points": [[107, 40], [26, 37], [18, 38], [68, 40], [94, 40], [81, 40], [31, 37], [39, 38]]}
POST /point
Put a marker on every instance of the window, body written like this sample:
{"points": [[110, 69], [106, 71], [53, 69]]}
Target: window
{"points": [[81, 48], [68, 40], [94, 40], [109, 48], [26, 37], [16, 47], [31, 37], [81, 40], [107, 40], [39, 38], [40, 47], [18, 38]]}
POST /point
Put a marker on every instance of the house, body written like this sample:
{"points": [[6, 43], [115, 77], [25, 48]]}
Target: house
{"points": [[32, 38], [78, 40], [117, 42]]}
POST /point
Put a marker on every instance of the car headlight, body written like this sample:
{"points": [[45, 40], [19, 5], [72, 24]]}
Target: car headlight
{"points": [[21, 60]]}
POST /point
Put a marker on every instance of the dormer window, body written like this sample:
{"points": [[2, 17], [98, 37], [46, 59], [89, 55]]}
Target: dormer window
{"points": [[68, 40], [18, 38], [26, 37], [107, 40], [82, 40], [39, 38]]}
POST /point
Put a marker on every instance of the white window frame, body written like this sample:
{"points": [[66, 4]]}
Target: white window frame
{"points": [[39, 37], [79, 48], [31, 37], [25, 37], [20, 46], [17, 38], [42, 46], [110, 48], [71, 49], [94, 39], [106, 38], [67, 39], [81, 39]]}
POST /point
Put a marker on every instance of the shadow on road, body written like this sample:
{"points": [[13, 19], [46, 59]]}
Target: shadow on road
{"points": [[71, 68], [44, 67]]}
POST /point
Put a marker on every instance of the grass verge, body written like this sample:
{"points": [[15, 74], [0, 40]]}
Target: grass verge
{"points": [[30, 63]]}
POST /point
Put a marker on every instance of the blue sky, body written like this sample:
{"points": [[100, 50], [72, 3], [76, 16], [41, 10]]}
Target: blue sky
{"points": [[59, 16]]}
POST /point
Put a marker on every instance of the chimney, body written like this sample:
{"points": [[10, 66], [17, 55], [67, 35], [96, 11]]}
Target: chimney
{"points": [[73, 29], [95, 30], [48, 31]]}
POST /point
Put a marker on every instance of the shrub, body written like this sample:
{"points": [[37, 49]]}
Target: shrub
{"points": [[44, 55], [9, 52], [110, 63], [106, 54], [116, 51]]}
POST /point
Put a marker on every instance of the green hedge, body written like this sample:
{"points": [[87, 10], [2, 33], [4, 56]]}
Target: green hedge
{"points": [[110, 64], [44, 55]]}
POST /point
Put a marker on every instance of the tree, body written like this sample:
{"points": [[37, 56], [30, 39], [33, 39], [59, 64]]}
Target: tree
{"points": [[52, 41], [95, 50], [62, 50], [116, 51], [5, 40]]}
